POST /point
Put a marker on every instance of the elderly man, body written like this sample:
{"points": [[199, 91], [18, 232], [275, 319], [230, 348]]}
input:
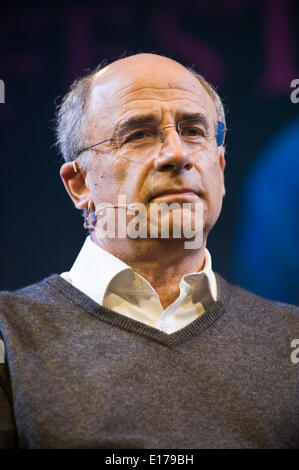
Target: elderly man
{"points": [[141, 344]]}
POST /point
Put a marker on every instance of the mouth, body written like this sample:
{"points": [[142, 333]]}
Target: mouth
{"points": [[185, 194]]}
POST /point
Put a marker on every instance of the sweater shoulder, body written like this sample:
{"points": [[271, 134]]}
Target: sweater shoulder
{"points": [[39, 292], [243, 300]]}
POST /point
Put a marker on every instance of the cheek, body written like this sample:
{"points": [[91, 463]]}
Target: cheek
{"points": [[110, 177], [209, 168], [214, 180], [216, 170], [105, 170]]}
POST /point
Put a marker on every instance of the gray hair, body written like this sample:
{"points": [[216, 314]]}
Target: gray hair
{"points": [[211, 90], [71, 118]]}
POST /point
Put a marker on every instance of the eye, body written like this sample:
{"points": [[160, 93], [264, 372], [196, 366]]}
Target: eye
{"points": [[139, 135], [192, 131]]}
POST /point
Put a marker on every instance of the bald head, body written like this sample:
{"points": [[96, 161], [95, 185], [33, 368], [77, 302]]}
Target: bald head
{"points": [[138, 62], [149, 69], [125, 79], [114, 82]]}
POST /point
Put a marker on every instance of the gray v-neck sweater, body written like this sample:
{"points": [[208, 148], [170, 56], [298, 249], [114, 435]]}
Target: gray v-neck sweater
{"points": [[80, 376]]}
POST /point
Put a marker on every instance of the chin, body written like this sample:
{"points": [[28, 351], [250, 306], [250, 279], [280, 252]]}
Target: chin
{"points": [[176, 224]]}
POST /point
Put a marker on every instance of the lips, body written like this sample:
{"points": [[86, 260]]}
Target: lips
{"points": [[172, 193]]}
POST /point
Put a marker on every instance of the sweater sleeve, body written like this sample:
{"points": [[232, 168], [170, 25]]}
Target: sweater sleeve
{"points": [[7, 422]]}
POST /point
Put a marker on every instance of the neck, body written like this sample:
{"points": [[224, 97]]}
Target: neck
{"points": [[161, 262]]}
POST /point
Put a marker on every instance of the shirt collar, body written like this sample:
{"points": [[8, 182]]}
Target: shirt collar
{"points": [[94, 269], [192, 280]]}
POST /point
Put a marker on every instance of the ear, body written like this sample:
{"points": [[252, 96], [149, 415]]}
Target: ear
{"points": [[74, 181], [222, 163], [222, 160]]}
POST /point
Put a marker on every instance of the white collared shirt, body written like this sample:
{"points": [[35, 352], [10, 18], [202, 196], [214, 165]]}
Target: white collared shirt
{"points": [[113, 284]]}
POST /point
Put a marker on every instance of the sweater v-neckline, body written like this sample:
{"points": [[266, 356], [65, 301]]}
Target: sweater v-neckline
{"points": [[191, 330]]}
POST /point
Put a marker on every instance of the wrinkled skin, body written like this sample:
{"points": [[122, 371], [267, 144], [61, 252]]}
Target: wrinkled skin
{"points": [[141, 84]]}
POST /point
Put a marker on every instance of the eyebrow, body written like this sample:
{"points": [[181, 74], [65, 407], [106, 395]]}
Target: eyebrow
{"points": [[134, 121], [198, 117]]}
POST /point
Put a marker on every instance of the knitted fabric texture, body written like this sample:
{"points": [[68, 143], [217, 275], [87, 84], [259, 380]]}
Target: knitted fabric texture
{"points": [[78, 375]]}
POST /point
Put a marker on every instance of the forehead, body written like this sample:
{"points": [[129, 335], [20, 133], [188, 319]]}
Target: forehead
{"points": [[162, 87]]}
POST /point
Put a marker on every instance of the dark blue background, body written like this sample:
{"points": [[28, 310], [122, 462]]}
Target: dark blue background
{"points": [[248, 49]]}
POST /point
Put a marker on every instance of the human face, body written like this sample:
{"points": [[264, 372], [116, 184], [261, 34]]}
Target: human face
{"points": [[152, 85]]}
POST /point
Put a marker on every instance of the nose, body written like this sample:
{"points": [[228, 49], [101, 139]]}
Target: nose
{"points": [[173, 154]]}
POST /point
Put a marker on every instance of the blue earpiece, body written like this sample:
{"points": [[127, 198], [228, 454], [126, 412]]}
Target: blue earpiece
{"points": [[220, 133]]}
